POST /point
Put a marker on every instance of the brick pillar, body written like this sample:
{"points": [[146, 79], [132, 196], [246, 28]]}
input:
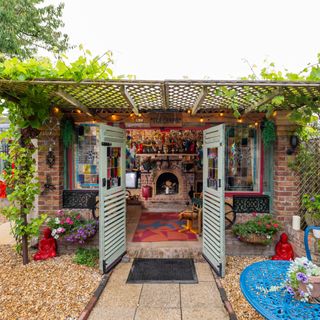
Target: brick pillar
{"points": [[286, 201], [50, 200]]}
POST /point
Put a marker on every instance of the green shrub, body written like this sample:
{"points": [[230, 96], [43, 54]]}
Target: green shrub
{"points": [[87, 256]]}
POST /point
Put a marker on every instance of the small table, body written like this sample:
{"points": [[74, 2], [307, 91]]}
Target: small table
{"points": [[277, 304]]}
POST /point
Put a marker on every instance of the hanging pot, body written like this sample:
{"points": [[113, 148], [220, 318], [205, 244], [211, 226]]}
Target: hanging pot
{"points": [[146, 192]]}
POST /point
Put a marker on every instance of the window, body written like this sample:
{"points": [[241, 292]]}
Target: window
{"points": [[242, 158], [86, 158]]}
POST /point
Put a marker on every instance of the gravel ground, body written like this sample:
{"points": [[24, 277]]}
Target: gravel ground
{"points": [[231, 283], [51, 289]]}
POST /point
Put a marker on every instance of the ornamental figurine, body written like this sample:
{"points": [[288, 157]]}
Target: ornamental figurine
{"points": [[284, 250], [47, 246]]}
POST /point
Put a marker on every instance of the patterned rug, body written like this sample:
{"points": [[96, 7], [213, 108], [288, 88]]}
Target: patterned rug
{"points": [[161, 226]]}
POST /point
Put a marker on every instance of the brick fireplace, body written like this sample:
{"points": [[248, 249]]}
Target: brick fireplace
{"points": [[170, 185]]}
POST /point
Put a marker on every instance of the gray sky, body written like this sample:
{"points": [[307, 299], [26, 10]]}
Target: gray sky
{"points": [[170, 39]]}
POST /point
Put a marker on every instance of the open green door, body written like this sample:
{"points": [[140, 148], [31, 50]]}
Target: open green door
{"points": [[112, 202], [213, 198]]}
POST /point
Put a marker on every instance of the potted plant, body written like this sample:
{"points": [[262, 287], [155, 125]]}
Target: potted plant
{"points": [[312, 216], [303, 280], [259, 230]]}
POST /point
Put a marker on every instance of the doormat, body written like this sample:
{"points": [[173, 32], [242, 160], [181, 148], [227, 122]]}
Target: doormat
{"points": [[162, 271], [161, 226]]}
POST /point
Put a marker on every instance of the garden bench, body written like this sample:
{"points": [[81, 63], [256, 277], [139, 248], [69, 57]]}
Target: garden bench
{"points": [[80, 199]]}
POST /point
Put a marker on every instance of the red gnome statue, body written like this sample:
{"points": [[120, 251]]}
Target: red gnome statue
{"points": [[284, 249], [47, 246]]}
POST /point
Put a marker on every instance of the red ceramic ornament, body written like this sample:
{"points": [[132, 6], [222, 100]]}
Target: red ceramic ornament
{"points": [[284, 250], [47, 246]]}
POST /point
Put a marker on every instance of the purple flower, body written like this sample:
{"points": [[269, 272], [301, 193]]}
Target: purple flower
{"points": [[302, 293], [312, 199], [302, 277], [290, 290]]}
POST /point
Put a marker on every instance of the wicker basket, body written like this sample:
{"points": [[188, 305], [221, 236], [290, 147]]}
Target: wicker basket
{"points": [[254, 238]]}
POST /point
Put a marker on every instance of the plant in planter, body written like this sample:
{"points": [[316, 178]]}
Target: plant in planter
{"points": [[303, 280], [259, 230], [72, 227]]}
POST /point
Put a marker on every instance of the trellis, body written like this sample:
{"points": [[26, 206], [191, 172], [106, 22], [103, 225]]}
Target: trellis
{"points": [[140, 96], [308, 168]]}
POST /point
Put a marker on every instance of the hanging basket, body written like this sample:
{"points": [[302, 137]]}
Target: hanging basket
{"points": [[254, 238]]}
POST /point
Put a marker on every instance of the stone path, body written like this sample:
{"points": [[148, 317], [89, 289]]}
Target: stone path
{"points": [[123, 301]]}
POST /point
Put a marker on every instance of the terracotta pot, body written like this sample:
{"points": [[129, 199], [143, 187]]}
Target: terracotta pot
{"points": [[146, 192], [315, 281]]}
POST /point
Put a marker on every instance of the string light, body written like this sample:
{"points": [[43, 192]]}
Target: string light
{"points": [[131, 114], [56, 109], [139, 115], [189, 111], [274, 113], [240, 120], [201, 119], [256, 124], [114, 117], [78, 110], [221, 114]]}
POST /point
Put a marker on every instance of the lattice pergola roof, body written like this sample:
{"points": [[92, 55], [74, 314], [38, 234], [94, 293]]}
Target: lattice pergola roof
{"points": [[138, 96]]}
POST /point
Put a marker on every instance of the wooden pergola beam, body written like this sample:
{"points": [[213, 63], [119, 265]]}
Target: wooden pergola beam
{"points": [[201, 97], [264, 100], [129, 99], [74, 102]]}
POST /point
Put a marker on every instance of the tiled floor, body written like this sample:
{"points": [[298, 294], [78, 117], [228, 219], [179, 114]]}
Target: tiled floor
{"points": [[121, 301]]}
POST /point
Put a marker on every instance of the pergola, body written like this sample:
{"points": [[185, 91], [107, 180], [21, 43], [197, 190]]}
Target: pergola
{"points": [[140, 96]]}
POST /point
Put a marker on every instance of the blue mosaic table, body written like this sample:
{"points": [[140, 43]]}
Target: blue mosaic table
{"points": [[276, 304]]}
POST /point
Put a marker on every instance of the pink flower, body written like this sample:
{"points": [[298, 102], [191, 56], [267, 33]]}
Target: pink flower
{"points": [[62, 221], [59, 213], [78, 217], [275, 225], [254, 214], [69, 221]]}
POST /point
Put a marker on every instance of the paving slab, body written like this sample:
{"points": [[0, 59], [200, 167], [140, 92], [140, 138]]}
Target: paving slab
{"points": [[213, 313], [201, 295], [121, 295], [114, 313], [204, 272], [157, 314], [160, 296]]}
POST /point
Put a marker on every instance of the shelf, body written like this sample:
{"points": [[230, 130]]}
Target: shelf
{"points": [[165, 154]]}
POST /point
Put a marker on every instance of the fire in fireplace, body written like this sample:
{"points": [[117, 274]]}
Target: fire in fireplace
{"points": [[167, 183]]}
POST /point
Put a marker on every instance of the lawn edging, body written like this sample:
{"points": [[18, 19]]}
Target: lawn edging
{"points": [[95, 297], [224, 297]]}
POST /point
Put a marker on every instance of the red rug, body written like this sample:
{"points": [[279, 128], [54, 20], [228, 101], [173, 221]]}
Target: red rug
{"points": [[161, 226]]}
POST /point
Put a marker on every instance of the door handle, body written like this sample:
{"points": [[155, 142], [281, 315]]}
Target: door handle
{"points": [[219, 183], [104, 182]]}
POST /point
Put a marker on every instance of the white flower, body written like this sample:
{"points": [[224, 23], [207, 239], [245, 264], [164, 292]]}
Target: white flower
{"points": [[53, 232], [57, 220], [56, 236]]}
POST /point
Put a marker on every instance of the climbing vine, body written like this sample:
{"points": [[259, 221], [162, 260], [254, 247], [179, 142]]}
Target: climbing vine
{"points": [[27, 113]]}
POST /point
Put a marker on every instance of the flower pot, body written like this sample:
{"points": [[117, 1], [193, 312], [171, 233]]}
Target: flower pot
{"points": [[254, 238], [316, 233], [315, 291]]}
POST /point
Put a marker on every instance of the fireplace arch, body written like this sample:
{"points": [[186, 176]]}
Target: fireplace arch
{"points": [[167, 183]]}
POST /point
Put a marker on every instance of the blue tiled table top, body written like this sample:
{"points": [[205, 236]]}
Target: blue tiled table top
{"points": [[277, 304]]}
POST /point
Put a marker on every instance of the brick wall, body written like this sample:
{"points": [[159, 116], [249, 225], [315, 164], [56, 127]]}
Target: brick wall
{"points": [[50, 200], [285, 198]]}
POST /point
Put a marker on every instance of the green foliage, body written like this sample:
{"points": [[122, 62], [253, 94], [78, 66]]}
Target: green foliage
{"points": [[269, 133], [260, 225], [27, 25], [312, 205], [32, 108], [87, 257], [23, 185]]}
